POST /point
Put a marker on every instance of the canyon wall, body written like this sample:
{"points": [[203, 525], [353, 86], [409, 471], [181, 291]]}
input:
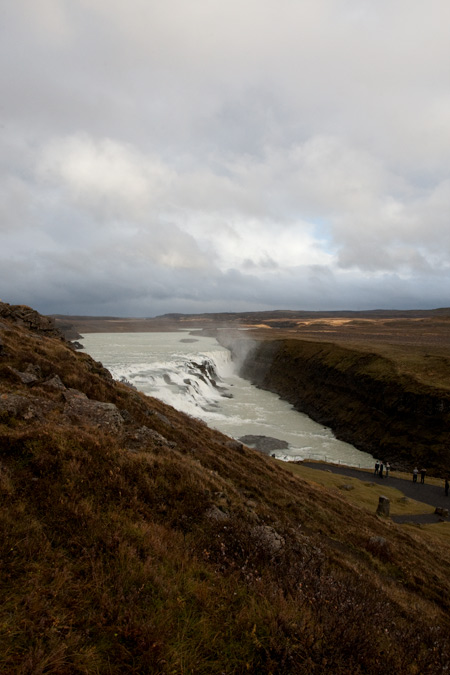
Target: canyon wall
{"points": [[361, 396]]}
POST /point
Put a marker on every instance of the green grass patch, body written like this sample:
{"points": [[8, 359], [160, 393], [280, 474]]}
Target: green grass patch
{"points": [[364, 494]]}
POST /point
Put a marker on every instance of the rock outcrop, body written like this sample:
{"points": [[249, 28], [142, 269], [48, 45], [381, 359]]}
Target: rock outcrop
{"points": [[265, 444], [79, 408], [360, 396], [30, 319], [40, 392]]}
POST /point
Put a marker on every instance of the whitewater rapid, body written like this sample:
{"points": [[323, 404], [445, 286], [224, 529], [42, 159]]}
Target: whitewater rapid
{"points": [[196, 375]]}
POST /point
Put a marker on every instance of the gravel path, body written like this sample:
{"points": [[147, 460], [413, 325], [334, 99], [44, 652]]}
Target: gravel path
{"points": [[426, 493]]}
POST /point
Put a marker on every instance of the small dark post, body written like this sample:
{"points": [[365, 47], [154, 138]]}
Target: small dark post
{"points": [[383, 506]]}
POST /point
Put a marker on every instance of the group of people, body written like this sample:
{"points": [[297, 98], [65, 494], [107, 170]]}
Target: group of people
{"points": [[380, 468], [422, 479], [383, 469], [423, 473]]}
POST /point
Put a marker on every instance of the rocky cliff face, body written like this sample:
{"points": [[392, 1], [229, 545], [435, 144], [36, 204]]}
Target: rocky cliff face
{"points": [[25, 317], [360, 396]]}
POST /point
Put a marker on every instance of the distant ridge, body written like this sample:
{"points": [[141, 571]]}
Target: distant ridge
{"points": [[301, 314], [70, 324]]}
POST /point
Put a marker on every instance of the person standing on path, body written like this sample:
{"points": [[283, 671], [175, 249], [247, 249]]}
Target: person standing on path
{"points": [[377, 467], [388, 468], [422, 475], [380, 470], [415, 472]]}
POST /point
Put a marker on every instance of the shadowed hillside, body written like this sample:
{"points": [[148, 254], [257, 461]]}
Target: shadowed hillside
{"points": [[137, 540]]}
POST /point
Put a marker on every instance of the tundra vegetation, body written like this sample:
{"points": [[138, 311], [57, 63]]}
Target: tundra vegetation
{"points": [[137, 540]]}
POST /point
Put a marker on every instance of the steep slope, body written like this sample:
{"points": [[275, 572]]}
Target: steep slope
{"points": [[361, 395], [137, 540]]}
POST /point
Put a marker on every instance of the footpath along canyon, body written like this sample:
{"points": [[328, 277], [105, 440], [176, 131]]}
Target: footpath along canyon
{"points": [[137, 540]]}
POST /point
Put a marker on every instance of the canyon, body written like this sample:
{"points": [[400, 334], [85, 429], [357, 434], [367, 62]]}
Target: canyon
{"points": [[379, 379]]}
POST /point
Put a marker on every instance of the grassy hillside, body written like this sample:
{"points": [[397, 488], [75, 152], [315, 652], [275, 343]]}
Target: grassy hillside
{"points": [[137, 540]]}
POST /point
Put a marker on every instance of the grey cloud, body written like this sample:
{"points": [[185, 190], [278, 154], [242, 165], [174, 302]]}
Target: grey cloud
{"points": [[193, 156]]}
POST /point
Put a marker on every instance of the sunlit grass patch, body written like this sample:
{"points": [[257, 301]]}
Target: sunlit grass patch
{"points": [[364, 493]]}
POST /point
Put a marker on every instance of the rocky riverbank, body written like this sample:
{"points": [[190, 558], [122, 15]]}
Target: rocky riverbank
{"points": [[361, 396]]}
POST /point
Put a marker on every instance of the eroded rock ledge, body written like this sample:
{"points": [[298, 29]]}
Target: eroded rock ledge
{"points": [[26, 317], [360, 396]]}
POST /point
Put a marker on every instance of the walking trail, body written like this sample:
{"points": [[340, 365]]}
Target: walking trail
{"points": [[432, 495]]}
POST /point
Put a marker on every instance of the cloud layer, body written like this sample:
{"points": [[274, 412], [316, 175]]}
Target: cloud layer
{"points": [[211, 156]]}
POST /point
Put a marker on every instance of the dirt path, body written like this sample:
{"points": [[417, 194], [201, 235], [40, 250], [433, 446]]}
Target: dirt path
{"points": [[433, 495]]}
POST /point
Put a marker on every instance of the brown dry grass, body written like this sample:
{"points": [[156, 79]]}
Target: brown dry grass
{"points": [[419, 348], [194, 556]]}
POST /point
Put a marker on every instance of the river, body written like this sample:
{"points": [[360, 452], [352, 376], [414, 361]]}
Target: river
{"points": [[197, 376]]}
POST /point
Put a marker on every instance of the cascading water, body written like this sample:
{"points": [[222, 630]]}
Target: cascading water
{"points": [[198, 377], [188, 384]]}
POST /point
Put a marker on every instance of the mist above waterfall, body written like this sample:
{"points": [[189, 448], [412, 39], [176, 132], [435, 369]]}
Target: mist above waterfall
{"points": [[199, 376], [239, 344]]}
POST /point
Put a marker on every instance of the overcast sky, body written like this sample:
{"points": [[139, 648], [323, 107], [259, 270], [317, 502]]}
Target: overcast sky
{"points": [[212, 155]]}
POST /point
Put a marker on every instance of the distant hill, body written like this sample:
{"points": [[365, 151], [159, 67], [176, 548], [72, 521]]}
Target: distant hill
{"points": [[173, 321], [304, 314]]}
